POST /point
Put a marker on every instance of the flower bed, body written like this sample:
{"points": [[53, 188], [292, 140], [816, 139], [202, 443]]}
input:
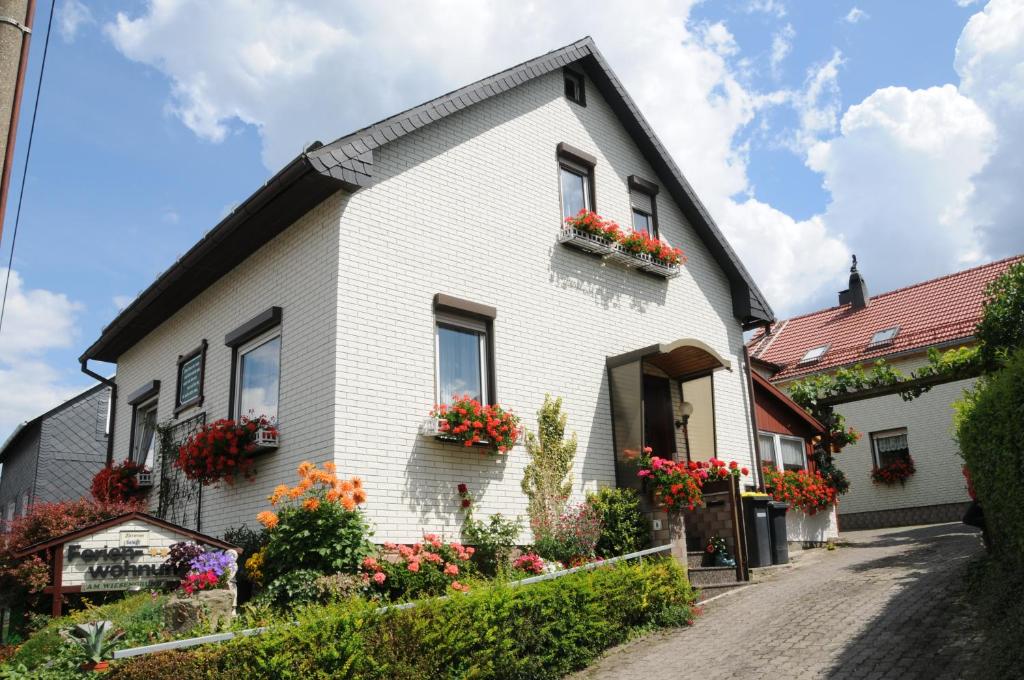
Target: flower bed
{"points": [[897, 472], [426, 568], [635, 249], [805, 490], [468, 421], [680, 484], [546, 629], [222, 450]]}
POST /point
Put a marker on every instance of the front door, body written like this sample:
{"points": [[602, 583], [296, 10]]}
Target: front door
{"points": [[659, 425]]}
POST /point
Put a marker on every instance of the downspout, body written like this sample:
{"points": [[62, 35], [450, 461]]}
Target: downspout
{"points": [[758, 474], [113, 406]]}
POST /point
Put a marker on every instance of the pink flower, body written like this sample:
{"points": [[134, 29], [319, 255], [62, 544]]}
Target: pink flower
{"points": [[451, 570], [379, 577], [414, 566]]}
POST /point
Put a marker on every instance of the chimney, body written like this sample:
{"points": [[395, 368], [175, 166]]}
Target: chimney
{"points": [[857, 294]]}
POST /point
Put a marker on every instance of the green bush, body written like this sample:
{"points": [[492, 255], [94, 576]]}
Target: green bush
{"points": [[990, 430], [544, 630], [1001, 329], [494, 540], [624, 528], [294, 588]]}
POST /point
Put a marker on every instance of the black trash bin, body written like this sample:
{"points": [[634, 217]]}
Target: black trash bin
{"points": [[780, 542], [759, 541]]}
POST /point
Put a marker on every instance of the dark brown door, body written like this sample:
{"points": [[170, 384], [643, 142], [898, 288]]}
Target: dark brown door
{"points": [[659, 425]]}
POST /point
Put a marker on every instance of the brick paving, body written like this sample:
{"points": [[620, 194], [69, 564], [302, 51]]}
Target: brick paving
{"points": [[887, 605]]}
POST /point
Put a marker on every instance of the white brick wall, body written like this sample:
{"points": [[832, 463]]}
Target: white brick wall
{"points": [[468, 206], [929, 423]]}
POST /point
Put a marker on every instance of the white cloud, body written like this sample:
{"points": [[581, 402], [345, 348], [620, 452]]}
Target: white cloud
{"points": [[35, 321], [72, 15], [966, 3], [122, 301], [782, 43], [856, 15], [775, 7]]}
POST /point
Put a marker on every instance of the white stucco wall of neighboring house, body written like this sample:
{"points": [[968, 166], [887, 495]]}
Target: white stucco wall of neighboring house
{"points": [[296, 271], [929, 423], [469, 206]]}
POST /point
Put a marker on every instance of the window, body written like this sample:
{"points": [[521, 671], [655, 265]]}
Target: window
{"points": [[462, 357], [883, 337], [24, 503], [642, 195], [144, 433], [574, 88], [890, 446], [191, 372], [8, 514], [575, 190], [642, 222], [782, 451], [258, 371], [814, 354]]}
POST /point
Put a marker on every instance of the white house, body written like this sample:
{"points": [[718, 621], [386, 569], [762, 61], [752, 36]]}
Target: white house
{"points": [[422, 254], [900, 327]]}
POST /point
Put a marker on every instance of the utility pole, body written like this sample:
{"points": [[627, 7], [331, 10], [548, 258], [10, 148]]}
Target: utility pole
{"points": [[15, 31]]}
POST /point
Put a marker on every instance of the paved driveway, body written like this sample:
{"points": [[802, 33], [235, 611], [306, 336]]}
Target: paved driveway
{"points": [[885, 606]]}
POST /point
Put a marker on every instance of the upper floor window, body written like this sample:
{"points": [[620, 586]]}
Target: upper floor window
{"points": [[814, 354], [574, 87], [884, 337], [782, 451], [890, 446], [575, 190], [258, 376], [191, 372], [642, 197], [144, 440]]}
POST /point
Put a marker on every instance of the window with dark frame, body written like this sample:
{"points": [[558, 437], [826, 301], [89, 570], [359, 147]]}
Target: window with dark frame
{"points": [[144, 440], [642, 198], [890, 446], [575, 185], [574, 87], [191, 375], [462, 357], [258, 376]]}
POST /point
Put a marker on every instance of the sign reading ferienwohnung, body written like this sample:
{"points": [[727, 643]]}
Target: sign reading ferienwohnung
{"points": [[124, 553]]}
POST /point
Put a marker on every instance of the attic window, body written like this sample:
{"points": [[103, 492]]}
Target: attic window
{"points": [[883, 337], [814, 354], [574, 90]]}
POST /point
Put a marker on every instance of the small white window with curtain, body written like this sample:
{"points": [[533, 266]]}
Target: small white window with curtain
{"points": [[890, 446], [462, 363], [782, 452], [144, 440], [258, 377]]}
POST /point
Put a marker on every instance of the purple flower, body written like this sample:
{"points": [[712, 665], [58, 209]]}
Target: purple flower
{"points": [[217, 561]]}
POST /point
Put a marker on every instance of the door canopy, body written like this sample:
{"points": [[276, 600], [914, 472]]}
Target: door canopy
{"points": [[682, 360]]}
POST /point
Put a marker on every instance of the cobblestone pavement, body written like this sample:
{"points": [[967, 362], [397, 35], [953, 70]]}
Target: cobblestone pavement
{"points": [[887, 605]]}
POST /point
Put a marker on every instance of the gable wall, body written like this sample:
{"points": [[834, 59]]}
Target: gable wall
{"points": [[19, 471], [469, 206], [73, 448]]}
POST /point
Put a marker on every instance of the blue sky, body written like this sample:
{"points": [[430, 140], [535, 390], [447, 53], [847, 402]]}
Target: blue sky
{"points": [[810, 129]]}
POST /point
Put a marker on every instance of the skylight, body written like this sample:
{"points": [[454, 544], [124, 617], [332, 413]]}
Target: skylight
{"points": [[884, 336], [814, 354]]}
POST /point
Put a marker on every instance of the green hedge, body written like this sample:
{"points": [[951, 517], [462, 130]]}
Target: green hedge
{"points": [[543, 630], [990, 430]]}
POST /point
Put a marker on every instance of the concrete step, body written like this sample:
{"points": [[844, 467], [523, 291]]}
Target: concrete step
{"points": [[695, 558], [706, 576], [707, 592]]}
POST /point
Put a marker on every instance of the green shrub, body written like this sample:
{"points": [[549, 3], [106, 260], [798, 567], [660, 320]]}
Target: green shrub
{"points": [[1001, 329], [493, 540], [990, 430], [140, 616], [294, 588], [571, 539], [624, 528], [544, 630]]}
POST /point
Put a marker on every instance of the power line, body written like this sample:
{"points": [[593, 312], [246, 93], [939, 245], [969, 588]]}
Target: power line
{"points": [[24, 169]]}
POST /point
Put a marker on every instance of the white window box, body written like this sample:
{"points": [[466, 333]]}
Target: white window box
{"points": [[267, 439], [581, 240], [614, 252], [432, 428]]}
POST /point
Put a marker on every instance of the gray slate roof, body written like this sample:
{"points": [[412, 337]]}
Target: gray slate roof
{"points": [[348, 163]]}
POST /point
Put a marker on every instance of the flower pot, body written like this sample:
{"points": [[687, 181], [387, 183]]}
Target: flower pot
{"points": [[95, 666]]}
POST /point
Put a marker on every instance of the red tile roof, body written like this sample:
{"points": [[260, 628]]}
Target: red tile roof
{"points": [[934, 312]]}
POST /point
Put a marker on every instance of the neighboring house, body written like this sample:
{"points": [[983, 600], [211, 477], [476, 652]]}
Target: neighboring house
{"points": [[53, 457], [899, 326], [374, 276], [786, 435]]}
